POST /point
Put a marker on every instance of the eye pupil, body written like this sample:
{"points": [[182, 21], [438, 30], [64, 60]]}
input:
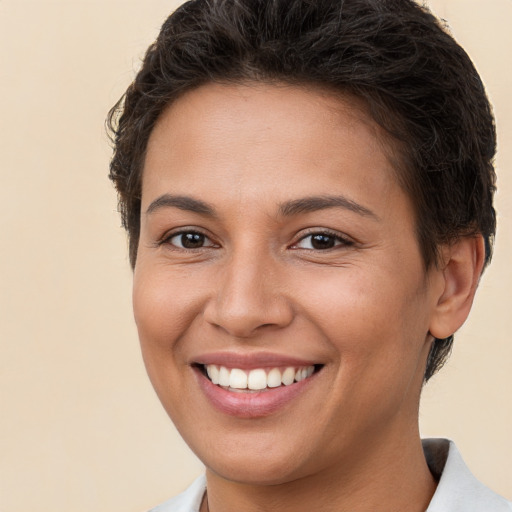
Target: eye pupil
{"points": [[322, 241], [192, 240]]}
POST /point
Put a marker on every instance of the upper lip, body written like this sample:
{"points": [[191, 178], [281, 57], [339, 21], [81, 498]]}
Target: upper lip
{"points": [[247, 361]]}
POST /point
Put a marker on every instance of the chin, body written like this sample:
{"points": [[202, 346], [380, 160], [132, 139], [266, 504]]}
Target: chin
{"points": [[262, 471], [260, 463]]}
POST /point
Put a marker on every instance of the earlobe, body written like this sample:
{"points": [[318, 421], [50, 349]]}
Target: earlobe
{"points": [[462, 266]]}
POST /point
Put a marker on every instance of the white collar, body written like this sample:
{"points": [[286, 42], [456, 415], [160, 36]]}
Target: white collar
{"points": [[458, 490]]}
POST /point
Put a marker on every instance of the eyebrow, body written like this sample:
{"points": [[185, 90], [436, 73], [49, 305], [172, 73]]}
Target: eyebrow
{"points": [[315, 203], [186, 203], [287, 209]]}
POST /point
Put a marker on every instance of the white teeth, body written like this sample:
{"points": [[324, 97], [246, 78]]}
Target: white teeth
{"points": [[258, 378], [301, 374], [213, 372], [288, 376], [223, 376], [238, 379], [274, 378]]}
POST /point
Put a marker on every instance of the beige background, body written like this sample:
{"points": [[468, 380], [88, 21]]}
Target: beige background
{"points": [[80, 427]]}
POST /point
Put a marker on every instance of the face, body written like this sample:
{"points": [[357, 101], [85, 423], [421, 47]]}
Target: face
{"points": [[279, 292]]}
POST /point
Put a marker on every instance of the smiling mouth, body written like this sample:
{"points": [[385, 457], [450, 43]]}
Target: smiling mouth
{"points": [[257, 379]]}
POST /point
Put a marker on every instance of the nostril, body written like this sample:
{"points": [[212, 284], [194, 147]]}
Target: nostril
{"points": [[267, 325]]}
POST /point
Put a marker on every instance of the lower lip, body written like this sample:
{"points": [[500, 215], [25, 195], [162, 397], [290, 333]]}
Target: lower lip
{"points": [[251, 404]]}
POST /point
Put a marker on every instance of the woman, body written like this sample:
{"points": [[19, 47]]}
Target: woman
{"points": [[308, 199]]}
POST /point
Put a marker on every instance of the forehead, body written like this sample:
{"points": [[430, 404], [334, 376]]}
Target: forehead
{"points": [[261, 105], [252, 132]]}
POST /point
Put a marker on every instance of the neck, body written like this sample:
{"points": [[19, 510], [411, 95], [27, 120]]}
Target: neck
{"points": [[390, 477]]}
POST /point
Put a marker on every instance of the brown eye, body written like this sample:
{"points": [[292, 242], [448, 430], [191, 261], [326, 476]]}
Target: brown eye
{"points": [[190, 240], [322, 241]]}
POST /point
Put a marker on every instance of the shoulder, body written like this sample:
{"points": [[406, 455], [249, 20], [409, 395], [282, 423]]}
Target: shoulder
{"points": [[188, 501], [458, 490]]}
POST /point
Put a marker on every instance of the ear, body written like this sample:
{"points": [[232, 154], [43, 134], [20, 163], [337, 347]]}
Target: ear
{"points": [[462, 266]]}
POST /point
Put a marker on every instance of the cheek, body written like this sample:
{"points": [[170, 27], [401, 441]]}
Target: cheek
{"points": [[163, 305], [161, 315], [162, 310], [354, 301], [371, 320]]}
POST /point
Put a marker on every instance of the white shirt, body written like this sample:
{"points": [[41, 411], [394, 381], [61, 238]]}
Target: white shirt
{"points": [[457, 491]]}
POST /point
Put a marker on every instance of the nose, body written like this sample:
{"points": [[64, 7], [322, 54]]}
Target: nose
{"points": [[249, 297]]}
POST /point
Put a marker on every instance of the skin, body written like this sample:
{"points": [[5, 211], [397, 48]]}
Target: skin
{"points": [[365, 309]]}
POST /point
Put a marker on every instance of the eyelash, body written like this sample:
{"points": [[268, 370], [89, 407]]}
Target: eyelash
{"points": [[339, 240], [166, 240]]}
